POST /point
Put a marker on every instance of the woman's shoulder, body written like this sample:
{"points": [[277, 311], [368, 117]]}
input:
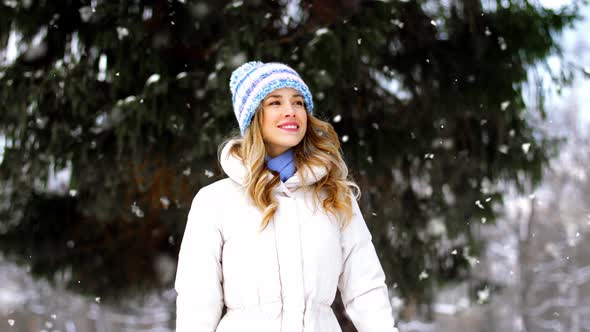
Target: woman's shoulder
{"points": [[219, 191], [213, 198]]}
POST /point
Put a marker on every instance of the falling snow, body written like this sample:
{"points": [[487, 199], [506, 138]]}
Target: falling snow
{"points": [[423, 275], [136, 210], [152, 79], [483, 295], [85, 13], [321, 31], [165, 202], [504, 105], [122, 32], [502, 43], [237, 4]]}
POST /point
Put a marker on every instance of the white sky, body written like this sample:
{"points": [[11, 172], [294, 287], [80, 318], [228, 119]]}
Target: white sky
{"points": [[576, 48]]}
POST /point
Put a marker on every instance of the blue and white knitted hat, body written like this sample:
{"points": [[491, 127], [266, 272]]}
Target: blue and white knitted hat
{"points": [[253, 81]]}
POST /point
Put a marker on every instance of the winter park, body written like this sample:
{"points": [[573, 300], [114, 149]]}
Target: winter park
{"points": [[464, 123]]}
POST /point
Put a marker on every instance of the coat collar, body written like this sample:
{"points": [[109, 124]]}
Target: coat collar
{"points": [[235, 169]]}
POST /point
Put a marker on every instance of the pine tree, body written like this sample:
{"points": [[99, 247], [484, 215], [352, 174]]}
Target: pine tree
{"points": [[131, 99]]}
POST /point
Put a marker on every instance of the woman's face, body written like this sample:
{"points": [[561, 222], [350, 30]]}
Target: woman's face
{"points": [[284, 120]]}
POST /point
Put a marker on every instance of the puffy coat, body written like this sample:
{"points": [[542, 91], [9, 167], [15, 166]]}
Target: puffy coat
{"points": [[282, 279]]}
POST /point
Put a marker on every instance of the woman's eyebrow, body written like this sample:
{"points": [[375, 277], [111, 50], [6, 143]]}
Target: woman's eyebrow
{"points": [[279, 96]]}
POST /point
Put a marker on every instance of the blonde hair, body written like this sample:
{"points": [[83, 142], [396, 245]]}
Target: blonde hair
{"points": [[319, 147]]}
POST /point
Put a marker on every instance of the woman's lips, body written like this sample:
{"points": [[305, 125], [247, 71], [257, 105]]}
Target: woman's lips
{"points": [[291, 130], [289, 126]]}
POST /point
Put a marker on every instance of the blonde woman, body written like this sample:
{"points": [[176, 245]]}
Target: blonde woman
{"points": [[274, 241]]}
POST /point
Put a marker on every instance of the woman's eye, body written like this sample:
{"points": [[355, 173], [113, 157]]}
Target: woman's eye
{"points": [[274, 103], [300, 103]]}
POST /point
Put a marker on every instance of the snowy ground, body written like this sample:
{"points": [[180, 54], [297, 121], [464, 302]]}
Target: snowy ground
{"points": [[29, 306]]}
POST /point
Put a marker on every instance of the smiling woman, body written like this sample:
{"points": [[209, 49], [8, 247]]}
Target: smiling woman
{"points": [[275, 240]]}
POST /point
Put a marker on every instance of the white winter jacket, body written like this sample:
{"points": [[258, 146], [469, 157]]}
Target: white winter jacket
{"points": [[282, 279]]}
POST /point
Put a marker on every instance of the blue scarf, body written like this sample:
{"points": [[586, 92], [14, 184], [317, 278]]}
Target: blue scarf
{"points": [[283, 163]]}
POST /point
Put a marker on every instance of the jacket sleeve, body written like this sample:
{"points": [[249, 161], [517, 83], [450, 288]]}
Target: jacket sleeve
{"points": [[198, 283], [362, 280]]}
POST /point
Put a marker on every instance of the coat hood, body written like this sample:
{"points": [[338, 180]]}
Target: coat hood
{"points": [[235, 169]]}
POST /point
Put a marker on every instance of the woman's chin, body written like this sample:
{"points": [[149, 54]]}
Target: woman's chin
{"points": [[290, 143]]}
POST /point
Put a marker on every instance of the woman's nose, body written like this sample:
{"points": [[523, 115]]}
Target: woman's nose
{"points": [[289, 110]]}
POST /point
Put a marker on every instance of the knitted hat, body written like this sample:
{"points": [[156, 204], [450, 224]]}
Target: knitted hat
{"points": [[253, 81]]}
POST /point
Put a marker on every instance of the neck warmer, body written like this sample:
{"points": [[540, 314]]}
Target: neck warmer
{"points": [[283, 163], [235, 170]]}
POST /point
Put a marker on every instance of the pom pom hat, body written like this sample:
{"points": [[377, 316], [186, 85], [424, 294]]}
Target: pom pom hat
{"points": [[253, 81]]}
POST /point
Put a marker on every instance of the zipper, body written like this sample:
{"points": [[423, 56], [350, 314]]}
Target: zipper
{"points": [[298, 219], [279, 269]]}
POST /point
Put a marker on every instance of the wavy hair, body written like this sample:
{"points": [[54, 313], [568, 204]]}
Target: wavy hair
{"points": [[320, 146]]}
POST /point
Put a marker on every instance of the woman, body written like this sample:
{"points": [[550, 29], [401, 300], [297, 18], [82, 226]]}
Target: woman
{"points": [[274, 240]]}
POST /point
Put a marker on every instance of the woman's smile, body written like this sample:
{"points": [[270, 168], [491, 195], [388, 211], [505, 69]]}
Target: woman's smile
{"points": [[291, 127]]}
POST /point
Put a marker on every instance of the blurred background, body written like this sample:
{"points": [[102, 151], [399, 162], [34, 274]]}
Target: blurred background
{"points": [[465, 123]]}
